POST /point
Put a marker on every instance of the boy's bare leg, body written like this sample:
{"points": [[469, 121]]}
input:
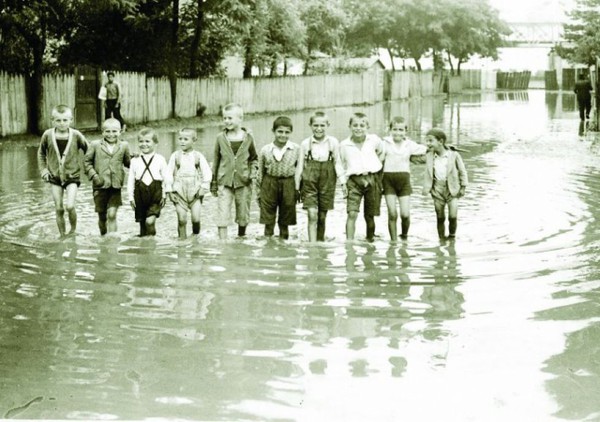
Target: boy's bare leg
{"points": [[452, 217], [181, 221], [322, 217], [351, 225], [57, 196], [284, 231], [222, 232], [196, 213], [111, 219], [71, 191], [312, 224], [391, 203], [150, 226]]}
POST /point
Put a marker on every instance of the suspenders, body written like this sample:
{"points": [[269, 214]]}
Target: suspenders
{"points": [[147, 168]]}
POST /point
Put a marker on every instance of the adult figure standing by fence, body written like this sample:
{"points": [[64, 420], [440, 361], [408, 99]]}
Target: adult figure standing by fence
{"points": [[583, 89], [112, 96]]}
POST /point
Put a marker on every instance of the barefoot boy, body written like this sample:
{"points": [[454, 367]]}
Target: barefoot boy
{"points": [[234, 169], [104, 164], [361, 155], [59, 165]]}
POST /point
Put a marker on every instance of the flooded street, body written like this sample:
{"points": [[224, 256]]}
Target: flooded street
{"points": [[501, 325]]}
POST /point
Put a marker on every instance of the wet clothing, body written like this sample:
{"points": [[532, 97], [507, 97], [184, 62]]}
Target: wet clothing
{"points": [[318, 172], [366, 186], [62, 167], [145, 185], [107, 198], [448, 169], [397, 183], [188, 177], [276, 183]]}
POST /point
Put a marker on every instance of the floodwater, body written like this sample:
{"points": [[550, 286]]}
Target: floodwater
{"points": [[503, 324]]}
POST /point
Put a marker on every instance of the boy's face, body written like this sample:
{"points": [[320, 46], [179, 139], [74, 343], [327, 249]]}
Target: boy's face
{"points": [[146, 144], [111, 131], [232, 119], [359, 127], [62, 121], [434, 144], [111, 78], [398, 131], [186, 140], [282, 134], [319, 126]]}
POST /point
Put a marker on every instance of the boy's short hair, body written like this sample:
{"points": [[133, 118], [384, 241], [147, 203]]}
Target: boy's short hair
{"points": [[147, 131], [234, 106], [111, 120], [439, 134], [358, 115], [318, 114], [189, 130], [61, 109], [398, 120], [283, 121], [110, 74]]}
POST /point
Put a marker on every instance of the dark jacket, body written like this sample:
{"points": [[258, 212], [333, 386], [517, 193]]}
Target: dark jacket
{"points": [[98, 160]]}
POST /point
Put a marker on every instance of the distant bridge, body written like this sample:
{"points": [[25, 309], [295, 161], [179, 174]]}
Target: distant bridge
{"points": [[530, 34]]}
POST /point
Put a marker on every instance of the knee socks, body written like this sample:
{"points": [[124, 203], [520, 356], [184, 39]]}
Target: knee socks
{"points": [[143, 229], [441, 228], [405, 226], [102, 223], [241, 231], [196, 227], [370, 231], [452, 226]]}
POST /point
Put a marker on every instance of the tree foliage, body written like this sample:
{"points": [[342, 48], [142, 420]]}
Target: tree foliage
{"points": [[582, 34]]}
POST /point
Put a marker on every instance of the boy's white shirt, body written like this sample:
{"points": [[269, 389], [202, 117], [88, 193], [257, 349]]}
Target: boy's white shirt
{"points": [[187, 165], [397, 155], [158, 168], [363, 159], [320, 152]]}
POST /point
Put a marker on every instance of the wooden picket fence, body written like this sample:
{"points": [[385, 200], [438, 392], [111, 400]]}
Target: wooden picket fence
{"points": [[146, 99]]}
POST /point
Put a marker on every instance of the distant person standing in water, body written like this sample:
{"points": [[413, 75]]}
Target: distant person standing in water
{"points": [[583, 89], [112, 95]]}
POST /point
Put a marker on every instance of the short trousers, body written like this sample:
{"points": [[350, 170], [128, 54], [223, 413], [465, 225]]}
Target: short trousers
{"points": [[148, 199], [241, 197], [440, 192], [186, 190], [397, 184], [278, 193], [57, 182], [367, 186], [318, 185], [107, 198]]}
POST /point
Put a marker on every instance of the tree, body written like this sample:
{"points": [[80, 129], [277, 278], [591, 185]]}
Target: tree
{"points": [[582, 35], [325, 22], [471, 27], [286, 34]]}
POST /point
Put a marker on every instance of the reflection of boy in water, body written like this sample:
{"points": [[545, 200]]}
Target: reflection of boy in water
{"points": [[445, 179]]}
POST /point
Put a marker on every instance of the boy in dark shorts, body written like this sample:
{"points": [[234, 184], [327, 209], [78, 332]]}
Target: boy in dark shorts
{"points": [[276, 185], [145, 182], [316, 174], [104, 164], [59, 165], [361, 155]]}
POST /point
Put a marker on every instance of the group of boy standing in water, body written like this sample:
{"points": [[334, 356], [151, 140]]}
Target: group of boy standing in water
{"points": [[281, 174]]}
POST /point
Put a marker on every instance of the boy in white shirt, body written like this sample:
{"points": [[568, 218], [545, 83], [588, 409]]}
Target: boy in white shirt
{"points": [[145, 182]]}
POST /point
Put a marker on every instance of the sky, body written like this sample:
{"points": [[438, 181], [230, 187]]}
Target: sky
{"points": [[533, 10]]}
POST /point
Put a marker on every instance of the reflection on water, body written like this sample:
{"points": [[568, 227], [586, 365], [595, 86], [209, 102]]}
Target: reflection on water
{"points": [[500, 325]]}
